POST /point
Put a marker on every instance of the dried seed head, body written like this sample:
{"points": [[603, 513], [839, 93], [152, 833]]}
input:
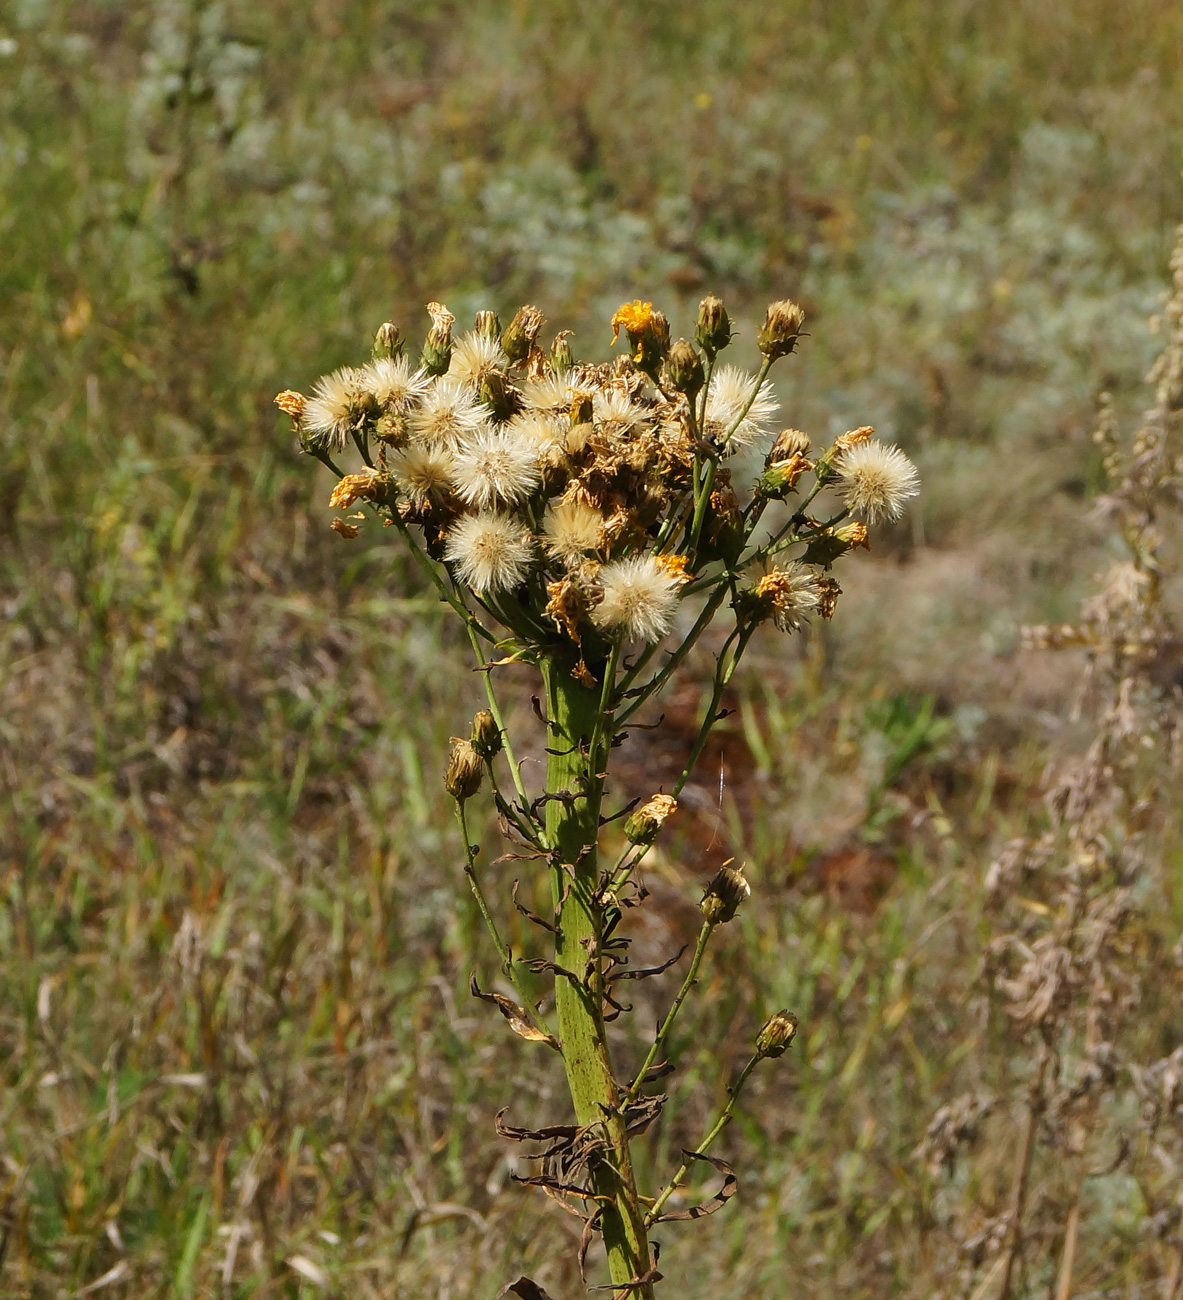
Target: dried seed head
{"points": [[474, 356], [572, 528], [486, 735], [491, 552], [423, 474], [462, 779], [291, 403], [685, 369], [488, 324], [733, 396], [712, 331], [645, 824], [448, 415], [393, 383], [518, 339], [639, 599], [495, 467], [437, 350], [875, 480], [388, 342], [724, 895], [336, 403], [781, 329], [778, 1032]]}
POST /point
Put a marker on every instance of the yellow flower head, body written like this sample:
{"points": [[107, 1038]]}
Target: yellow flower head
{"points": [[634, 317]]}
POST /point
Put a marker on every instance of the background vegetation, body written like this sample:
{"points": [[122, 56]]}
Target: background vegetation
{"points": [[237, 1051]]}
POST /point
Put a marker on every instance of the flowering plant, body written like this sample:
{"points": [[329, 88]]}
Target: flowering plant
{"points": [[582, 518]]}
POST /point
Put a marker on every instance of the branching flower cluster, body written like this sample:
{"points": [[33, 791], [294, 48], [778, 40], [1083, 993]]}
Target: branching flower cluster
{"points": [[583, 518]]}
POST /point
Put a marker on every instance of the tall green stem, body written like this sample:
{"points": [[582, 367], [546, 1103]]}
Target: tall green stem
{"points": [[572, 826]]}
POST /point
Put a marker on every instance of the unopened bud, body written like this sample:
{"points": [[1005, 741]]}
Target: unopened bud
{"points": [[724, 895], [388, 342], [561, 356], [723, 532], [488, 325], [518, 339], [778, 1032], [643, 826], [781, 477], [495, 393], [789, 443], [437, 350], [712, 331], [486, 735], [684, 369], [781, 329], [462, 779]]}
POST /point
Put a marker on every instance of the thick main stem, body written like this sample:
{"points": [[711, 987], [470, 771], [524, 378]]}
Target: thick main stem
{"points": [[572, 826]]}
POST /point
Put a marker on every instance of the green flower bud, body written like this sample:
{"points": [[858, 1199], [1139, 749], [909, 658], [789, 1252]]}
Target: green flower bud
{"points": [[462, 779], [643, 826], [684, 369], [778, 1032], [388, 342], [724, 895], [495, 393], [712, 331], [781, 329], [779, 479], [488, 325], [561, 356], [437, 350], [486, 735], [518, 340], [789, 443]]}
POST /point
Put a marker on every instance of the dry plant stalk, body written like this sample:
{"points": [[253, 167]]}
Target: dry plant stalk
{"points": [[581, 518], [1070, 964]]}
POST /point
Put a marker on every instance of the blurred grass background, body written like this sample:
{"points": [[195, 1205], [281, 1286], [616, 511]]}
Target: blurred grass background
{"points": [[235, 941]]}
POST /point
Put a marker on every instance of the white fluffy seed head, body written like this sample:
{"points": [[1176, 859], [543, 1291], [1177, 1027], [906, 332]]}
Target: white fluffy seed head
{"points": [[422, 472], [875, 480], [473, 357], [495, 468], [640, 599], [394, 383], [731, 388], [547, 434], [491, 552], [616, 410], [551, 393], [572, 528], [448, 414], [333, 405]]}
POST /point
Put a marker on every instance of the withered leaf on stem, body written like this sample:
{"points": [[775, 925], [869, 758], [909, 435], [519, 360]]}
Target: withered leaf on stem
{"points": [[720, 1198], [518, 1017]]}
